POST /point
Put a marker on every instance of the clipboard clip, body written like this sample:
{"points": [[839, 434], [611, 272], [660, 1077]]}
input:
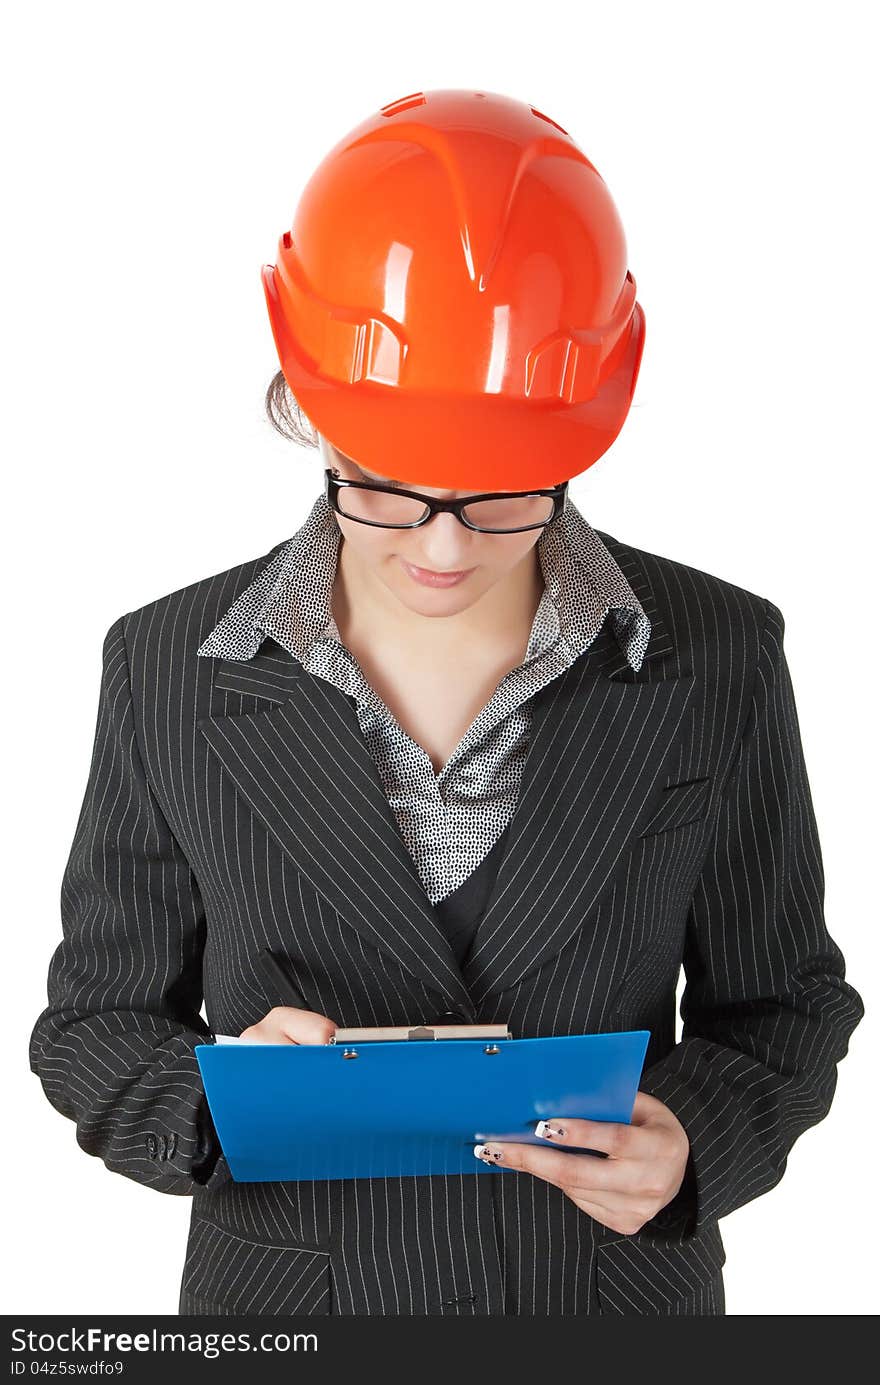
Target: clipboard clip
{"points": [[419, 1033]]}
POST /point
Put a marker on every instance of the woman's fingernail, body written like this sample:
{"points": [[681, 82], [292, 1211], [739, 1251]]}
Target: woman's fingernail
{"points": [[547, 1131], [487, 1153]]}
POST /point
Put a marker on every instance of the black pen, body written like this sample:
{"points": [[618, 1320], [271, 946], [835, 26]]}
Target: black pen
{"points": [[280, 981]]}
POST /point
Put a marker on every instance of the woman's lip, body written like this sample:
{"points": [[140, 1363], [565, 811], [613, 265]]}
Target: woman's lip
{"points": [[429, 578]]}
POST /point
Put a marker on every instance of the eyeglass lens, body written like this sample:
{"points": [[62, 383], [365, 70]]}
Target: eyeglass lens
{"points": [[496, 516]]}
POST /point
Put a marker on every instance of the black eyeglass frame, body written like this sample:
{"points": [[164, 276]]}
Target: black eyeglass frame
{"points": [[333, 485]]}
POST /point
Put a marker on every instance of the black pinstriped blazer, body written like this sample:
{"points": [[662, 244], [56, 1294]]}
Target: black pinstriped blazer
{"points": [[665, 818]]}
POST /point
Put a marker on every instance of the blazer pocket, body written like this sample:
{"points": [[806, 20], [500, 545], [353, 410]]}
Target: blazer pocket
{"points": [[224, 1273], [645, 1276], [679, 804]]}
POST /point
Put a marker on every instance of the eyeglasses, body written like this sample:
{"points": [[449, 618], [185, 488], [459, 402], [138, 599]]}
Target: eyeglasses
{"points": [[491, 512]]}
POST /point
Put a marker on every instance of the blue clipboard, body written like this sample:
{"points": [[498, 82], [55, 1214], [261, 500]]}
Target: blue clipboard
{"points": [[305, 1111]]}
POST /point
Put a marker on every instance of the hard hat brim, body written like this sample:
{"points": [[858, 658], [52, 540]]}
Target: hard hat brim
{"points": [[444, 440]]}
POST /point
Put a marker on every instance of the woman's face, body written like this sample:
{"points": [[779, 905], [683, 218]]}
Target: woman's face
{"points": [[443, 545]]}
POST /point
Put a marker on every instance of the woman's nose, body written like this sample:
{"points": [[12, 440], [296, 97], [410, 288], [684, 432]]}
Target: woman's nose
{"points": [[444, 541]]}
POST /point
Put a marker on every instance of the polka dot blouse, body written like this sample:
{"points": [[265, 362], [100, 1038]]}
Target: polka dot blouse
{"points": [[449, 820]]}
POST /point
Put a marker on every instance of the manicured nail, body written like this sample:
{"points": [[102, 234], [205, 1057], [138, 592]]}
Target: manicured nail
{"points": [[547, 1131], [487, 1153]]}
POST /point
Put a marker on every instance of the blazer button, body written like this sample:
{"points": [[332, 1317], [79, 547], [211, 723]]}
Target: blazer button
{"points": [[152, 1145], [451, 1017]]}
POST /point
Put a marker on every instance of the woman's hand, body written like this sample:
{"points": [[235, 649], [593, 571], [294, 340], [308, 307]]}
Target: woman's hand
{"points": [[644, 1170], [285, 1024]]}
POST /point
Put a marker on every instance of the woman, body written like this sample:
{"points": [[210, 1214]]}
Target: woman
{"points": [[448, 758]]}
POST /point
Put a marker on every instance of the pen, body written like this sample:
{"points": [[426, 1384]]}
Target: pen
{"points": [[280, 980]]}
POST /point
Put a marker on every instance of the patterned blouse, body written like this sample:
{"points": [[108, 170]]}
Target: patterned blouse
{"points": [[449, 820]]}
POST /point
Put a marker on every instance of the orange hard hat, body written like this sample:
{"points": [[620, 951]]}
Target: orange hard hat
{"points": [[452, 305]]}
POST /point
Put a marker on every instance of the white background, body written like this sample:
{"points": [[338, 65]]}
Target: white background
{"points": [[154, 156]]}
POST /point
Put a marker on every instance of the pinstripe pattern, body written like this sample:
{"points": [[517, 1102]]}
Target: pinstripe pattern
{"points": [[664, 817]]}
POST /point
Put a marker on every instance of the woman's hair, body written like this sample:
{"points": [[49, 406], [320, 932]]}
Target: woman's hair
{"points": [[285, 414]]}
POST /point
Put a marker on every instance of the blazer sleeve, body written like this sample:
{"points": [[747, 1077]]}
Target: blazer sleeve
{"points": [[766, 1011], [114, 1047]]}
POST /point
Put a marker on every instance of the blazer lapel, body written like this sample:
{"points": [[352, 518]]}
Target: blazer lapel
{"points": [[592, 778], [302, 765], [601, 737]]}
